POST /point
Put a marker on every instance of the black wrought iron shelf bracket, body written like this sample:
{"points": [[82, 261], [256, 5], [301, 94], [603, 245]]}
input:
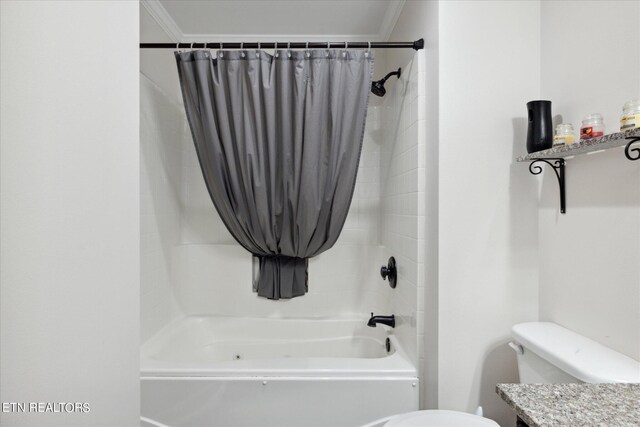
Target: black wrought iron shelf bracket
{"points": [[554, 157], [628, 150], [558, 169]]}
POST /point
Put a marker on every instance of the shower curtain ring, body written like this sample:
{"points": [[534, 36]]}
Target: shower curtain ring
{"points": [[191, 46], [307, 50], [366, 54], [289, 49], [276, 49], [242, 49], [328, 48], [346, 46], [221, 48], [258, 51]]}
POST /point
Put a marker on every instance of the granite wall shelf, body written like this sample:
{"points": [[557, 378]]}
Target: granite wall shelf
{"points": [[555, 157]]}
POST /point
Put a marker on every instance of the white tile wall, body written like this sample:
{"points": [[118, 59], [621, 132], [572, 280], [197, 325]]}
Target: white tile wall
{"points": [[344, 281], [162, 135], [403, 217]]}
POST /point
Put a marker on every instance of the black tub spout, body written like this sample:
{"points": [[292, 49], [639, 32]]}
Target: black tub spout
{"points": [[385, 320]]}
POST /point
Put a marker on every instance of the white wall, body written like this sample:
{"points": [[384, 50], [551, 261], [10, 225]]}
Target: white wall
{"points": [[489, 68], [589, 269], [163, 133], [590, 68], [69, 210]]}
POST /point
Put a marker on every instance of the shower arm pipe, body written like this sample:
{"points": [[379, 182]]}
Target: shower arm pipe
{"points": [[416, 45]]}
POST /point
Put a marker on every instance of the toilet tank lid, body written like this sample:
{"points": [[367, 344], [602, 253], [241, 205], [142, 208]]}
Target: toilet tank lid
{"points": [[579, 356]]}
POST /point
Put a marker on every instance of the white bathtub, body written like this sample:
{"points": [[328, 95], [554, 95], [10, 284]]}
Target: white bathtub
{"points": [[245, 372]]}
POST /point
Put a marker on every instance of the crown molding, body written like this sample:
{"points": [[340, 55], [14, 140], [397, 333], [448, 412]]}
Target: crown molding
{"points": [[390, 19], [164, 20]]}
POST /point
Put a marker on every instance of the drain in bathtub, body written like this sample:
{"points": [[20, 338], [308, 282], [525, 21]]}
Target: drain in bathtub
{"points": [[387, 345], [237, 357]]}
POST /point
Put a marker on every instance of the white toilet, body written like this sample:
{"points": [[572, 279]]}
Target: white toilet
{"points": [[434, 418], [547, 353]]}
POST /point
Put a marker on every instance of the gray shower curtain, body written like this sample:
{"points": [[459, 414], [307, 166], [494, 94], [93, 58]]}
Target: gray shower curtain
{"points": [[278, 139]]}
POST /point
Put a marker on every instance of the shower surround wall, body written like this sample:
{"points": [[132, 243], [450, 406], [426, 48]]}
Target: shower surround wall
{"points": [[403, 186], [193, 266]]}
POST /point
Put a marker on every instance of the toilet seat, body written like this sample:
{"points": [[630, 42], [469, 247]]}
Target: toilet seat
{"points": [[439, 418]]}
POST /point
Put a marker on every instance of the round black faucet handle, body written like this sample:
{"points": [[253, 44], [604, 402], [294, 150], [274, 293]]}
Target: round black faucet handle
{"points": [[390, 272]]}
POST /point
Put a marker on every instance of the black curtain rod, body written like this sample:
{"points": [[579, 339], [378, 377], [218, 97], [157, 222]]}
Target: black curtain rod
{"points": [[416, 45]]}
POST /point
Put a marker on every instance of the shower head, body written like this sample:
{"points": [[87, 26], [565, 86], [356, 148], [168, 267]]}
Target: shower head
{"points": [[377, 87]]}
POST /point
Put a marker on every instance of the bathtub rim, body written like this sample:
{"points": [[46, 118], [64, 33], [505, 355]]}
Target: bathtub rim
{"points": [[394, 365]]}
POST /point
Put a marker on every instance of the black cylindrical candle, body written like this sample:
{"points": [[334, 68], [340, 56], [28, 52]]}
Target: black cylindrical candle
{"points": [[540, 130]]}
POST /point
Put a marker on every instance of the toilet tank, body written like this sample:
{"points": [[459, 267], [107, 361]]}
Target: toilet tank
{"points": [[549, 353]]}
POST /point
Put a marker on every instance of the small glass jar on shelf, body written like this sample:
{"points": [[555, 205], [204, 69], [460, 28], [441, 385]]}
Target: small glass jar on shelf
{"points": [[630, 115], [592, 126], [565, 135]]}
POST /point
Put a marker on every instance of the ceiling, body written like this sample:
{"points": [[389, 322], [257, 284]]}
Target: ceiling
{"points": [[268, 20]]}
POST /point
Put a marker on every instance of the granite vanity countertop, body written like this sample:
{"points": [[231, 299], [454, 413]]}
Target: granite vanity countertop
{"points": [[545, 405]]}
